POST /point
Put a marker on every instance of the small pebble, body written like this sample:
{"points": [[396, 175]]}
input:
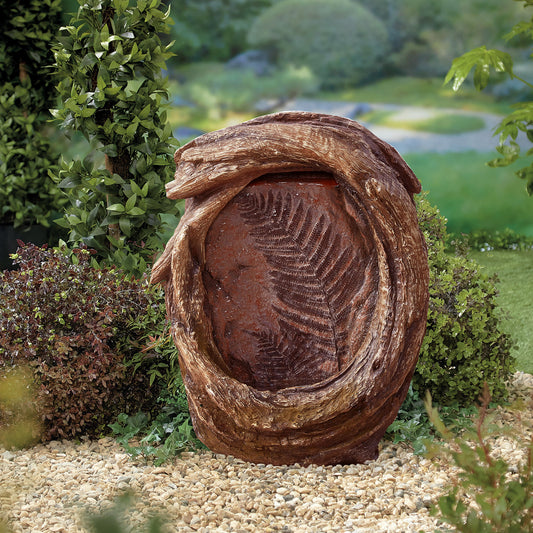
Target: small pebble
{"points": [[53, 487]]}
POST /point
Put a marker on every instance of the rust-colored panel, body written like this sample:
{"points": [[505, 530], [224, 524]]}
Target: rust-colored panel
{"points": [[287, 273]]}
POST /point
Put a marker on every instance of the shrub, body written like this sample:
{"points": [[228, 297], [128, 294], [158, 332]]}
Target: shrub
{"points": [[27, 195], [339, 40], [161, 438], [109, 61], [212, 88], [488, 496], [463, 346], [486, 241], [413, 425], [72, 326]]}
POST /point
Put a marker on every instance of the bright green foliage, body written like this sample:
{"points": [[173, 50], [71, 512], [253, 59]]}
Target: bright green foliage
{"points": [[482, 61], [487, 498], [412, 424], [464, 345], [76, 327], [339, 40], [27, 194], [109, 63], [162, 438]]}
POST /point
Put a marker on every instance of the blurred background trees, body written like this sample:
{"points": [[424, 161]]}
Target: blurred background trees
{"points": [[423, 36]]}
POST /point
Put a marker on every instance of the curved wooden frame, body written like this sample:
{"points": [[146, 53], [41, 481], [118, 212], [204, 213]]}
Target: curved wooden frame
{"points": [[341, 419]]}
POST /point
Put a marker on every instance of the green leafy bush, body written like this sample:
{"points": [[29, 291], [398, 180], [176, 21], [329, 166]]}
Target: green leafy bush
{"points": [[27, 194], [75, 328], [464, 345], [212, 88], [162, 437], [109, 62], [487, 497], [486, 241], [339, 40], [413, 425]]}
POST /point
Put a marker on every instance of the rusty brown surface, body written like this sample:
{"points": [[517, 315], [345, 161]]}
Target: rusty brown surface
{"points": [[288, 277], [297, 287]]}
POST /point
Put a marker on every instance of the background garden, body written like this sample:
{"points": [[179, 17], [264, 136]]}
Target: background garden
{"points": [[95, 97]]}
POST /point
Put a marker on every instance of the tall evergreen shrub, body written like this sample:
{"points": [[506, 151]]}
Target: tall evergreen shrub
{"points": [[27, 194], [110, 63]]}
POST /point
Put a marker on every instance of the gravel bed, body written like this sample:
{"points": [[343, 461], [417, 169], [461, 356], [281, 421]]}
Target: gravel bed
{"points": [[51, 488]]}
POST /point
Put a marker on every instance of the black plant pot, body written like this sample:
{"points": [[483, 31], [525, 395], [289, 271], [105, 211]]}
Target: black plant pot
{"points": [[8, 241]]}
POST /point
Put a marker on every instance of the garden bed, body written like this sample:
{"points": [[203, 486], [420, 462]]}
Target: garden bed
{"points": [[52, 487]]}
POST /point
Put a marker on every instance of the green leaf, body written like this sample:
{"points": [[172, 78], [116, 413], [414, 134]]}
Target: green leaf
{"points": [[131, 202], [145, 112], [100, 83], [89, 60], [117, 208], [87, 112], [68, 183], [133, 86], [125, 226], [135, 188], [131, 129], [482, 60]]}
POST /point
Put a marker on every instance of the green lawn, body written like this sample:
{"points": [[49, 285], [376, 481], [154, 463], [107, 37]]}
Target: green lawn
{"points": [[426, 92], [473, 196], [449, 124], [515, 270]]}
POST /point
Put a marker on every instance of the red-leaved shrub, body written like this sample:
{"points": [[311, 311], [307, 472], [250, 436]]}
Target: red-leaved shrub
{"points": [[73, 327]]}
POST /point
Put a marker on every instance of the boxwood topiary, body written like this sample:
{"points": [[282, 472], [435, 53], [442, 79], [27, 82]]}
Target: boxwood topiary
{"points": [[464, 345], [339, 40], [74, 328]]}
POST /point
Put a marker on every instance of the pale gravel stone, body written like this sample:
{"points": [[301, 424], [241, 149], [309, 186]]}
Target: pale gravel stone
{"points": [[51, 487]]}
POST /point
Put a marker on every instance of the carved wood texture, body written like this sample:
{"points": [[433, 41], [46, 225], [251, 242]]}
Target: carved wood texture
{"points": [[297, 287]]}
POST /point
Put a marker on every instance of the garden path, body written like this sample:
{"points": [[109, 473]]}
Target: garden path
{"points": [[409, 141]]}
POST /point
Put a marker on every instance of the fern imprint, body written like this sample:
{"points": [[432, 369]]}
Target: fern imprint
{"points": [[310, 272]]}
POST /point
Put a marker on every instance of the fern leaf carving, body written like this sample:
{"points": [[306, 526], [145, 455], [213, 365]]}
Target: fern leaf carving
{"points": [[313, 276]]}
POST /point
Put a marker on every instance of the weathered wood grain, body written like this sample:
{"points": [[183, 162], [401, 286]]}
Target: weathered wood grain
{"points": [[320, 370]]}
